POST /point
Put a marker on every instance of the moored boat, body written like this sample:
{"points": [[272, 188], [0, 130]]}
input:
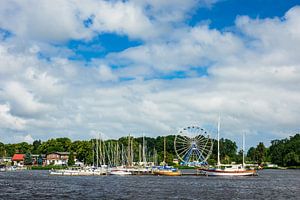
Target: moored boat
{"points": [[79, 172], [229, 170], [232, 170], [120, 172], [166, 171]]}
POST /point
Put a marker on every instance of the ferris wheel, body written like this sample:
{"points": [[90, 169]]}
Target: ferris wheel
{"points": [[193, 145]]}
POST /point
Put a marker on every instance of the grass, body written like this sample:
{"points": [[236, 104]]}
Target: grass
{"points": [[293, 167]]}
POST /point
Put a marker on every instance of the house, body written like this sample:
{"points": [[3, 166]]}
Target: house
{"points": [[18, 159], [58, 158]]}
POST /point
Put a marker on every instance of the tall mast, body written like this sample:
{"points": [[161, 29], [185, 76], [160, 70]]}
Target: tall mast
{"points": [[131, 151], [117, 154], [219, 163], [154, 157], [122, 155], [93, 147], [165, 150], [103, 151], [140, 154], [144, 156], [97, 156], [100, 152], [243, 149], [128, 150]]}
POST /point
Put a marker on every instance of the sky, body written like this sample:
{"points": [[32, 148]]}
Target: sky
{"points": [[77, 68]]}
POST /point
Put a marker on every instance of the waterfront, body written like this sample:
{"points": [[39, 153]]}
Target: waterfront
{"points": [[270, 184]]}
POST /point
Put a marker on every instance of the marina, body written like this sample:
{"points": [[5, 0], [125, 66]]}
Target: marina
{"points": [[149, 99]]}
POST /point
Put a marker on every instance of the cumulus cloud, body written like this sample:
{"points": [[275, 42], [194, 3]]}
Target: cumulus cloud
{"points": [[8, 121], [106, 73], [196, 47], [58, 21], [23, 102], [24, 138], [252, 77]]}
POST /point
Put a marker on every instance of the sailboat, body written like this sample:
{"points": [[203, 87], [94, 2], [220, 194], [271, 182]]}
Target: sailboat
{"points": [[228, 170], [166, 170]]}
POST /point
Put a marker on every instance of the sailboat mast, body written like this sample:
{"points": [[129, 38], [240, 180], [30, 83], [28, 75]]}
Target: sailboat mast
{"points": [[131, 152], [219, 163], [122, 155], [100, 152], [128, 151], [140, 156], [93, 147], [164, 150], [243, 149], [144, 156], [97, 155]]}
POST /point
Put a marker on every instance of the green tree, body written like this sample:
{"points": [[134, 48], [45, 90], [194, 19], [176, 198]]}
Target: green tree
{"points": [[2, 149], [239, 157], [28, 159], [291, 159], [285, 152], [55, 145], [277, 151], [251, 154], [40, 160], [260, 153], [228, 150], [23, 147], [36, 145], [71, 160], [83, 151]]}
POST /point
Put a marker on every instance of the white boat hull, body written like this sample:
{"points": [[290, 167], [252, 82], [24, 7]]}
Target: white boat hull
{"points": [[77, 172], [228, 173], [120, 173]]}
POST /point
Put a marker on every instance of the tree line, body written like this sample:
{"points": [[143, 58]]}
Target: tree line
{"points": [[285, 152]]}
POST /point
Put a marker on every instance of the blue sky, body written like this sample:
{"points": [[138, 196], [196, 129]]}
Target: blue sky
{"points": [[221, 16], [73, 69]]}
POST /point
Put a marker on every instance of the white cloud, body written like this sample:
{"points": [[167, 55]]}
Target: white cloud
{"points": [[253, 77], [52, 21], [24, 138], [106, 73], [22, 101], [58, 21], [196, 47], [8, 121]]}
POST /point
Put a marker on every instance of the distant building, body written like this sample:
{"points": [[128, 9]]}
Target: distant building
{"points": [[18, 159], [58, 158]]}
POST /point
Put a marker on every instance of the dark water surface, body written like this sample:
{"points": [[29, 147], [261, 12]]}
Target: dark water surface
{"points": [[270, 184]]}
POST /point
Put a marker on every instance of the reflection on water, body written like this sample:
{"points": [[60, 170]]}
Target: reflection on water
{"points": [[270, 184]]}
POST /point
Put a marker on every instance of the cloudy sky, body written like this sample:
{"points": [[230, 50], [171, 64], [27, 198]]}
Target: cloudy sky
{"points": [[75, 68]]}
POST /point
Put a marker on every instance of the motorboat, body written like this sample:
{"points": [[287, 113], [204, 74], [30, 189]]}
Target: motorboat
{"points": [[166, 171]]}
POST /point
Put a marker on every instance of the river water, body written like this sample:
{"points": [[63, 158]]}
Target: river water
{"points": [[270, 184]]}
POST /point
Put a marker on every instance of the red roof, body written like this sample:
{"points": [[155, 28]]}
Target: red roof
{"points": [[18, 157]]}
